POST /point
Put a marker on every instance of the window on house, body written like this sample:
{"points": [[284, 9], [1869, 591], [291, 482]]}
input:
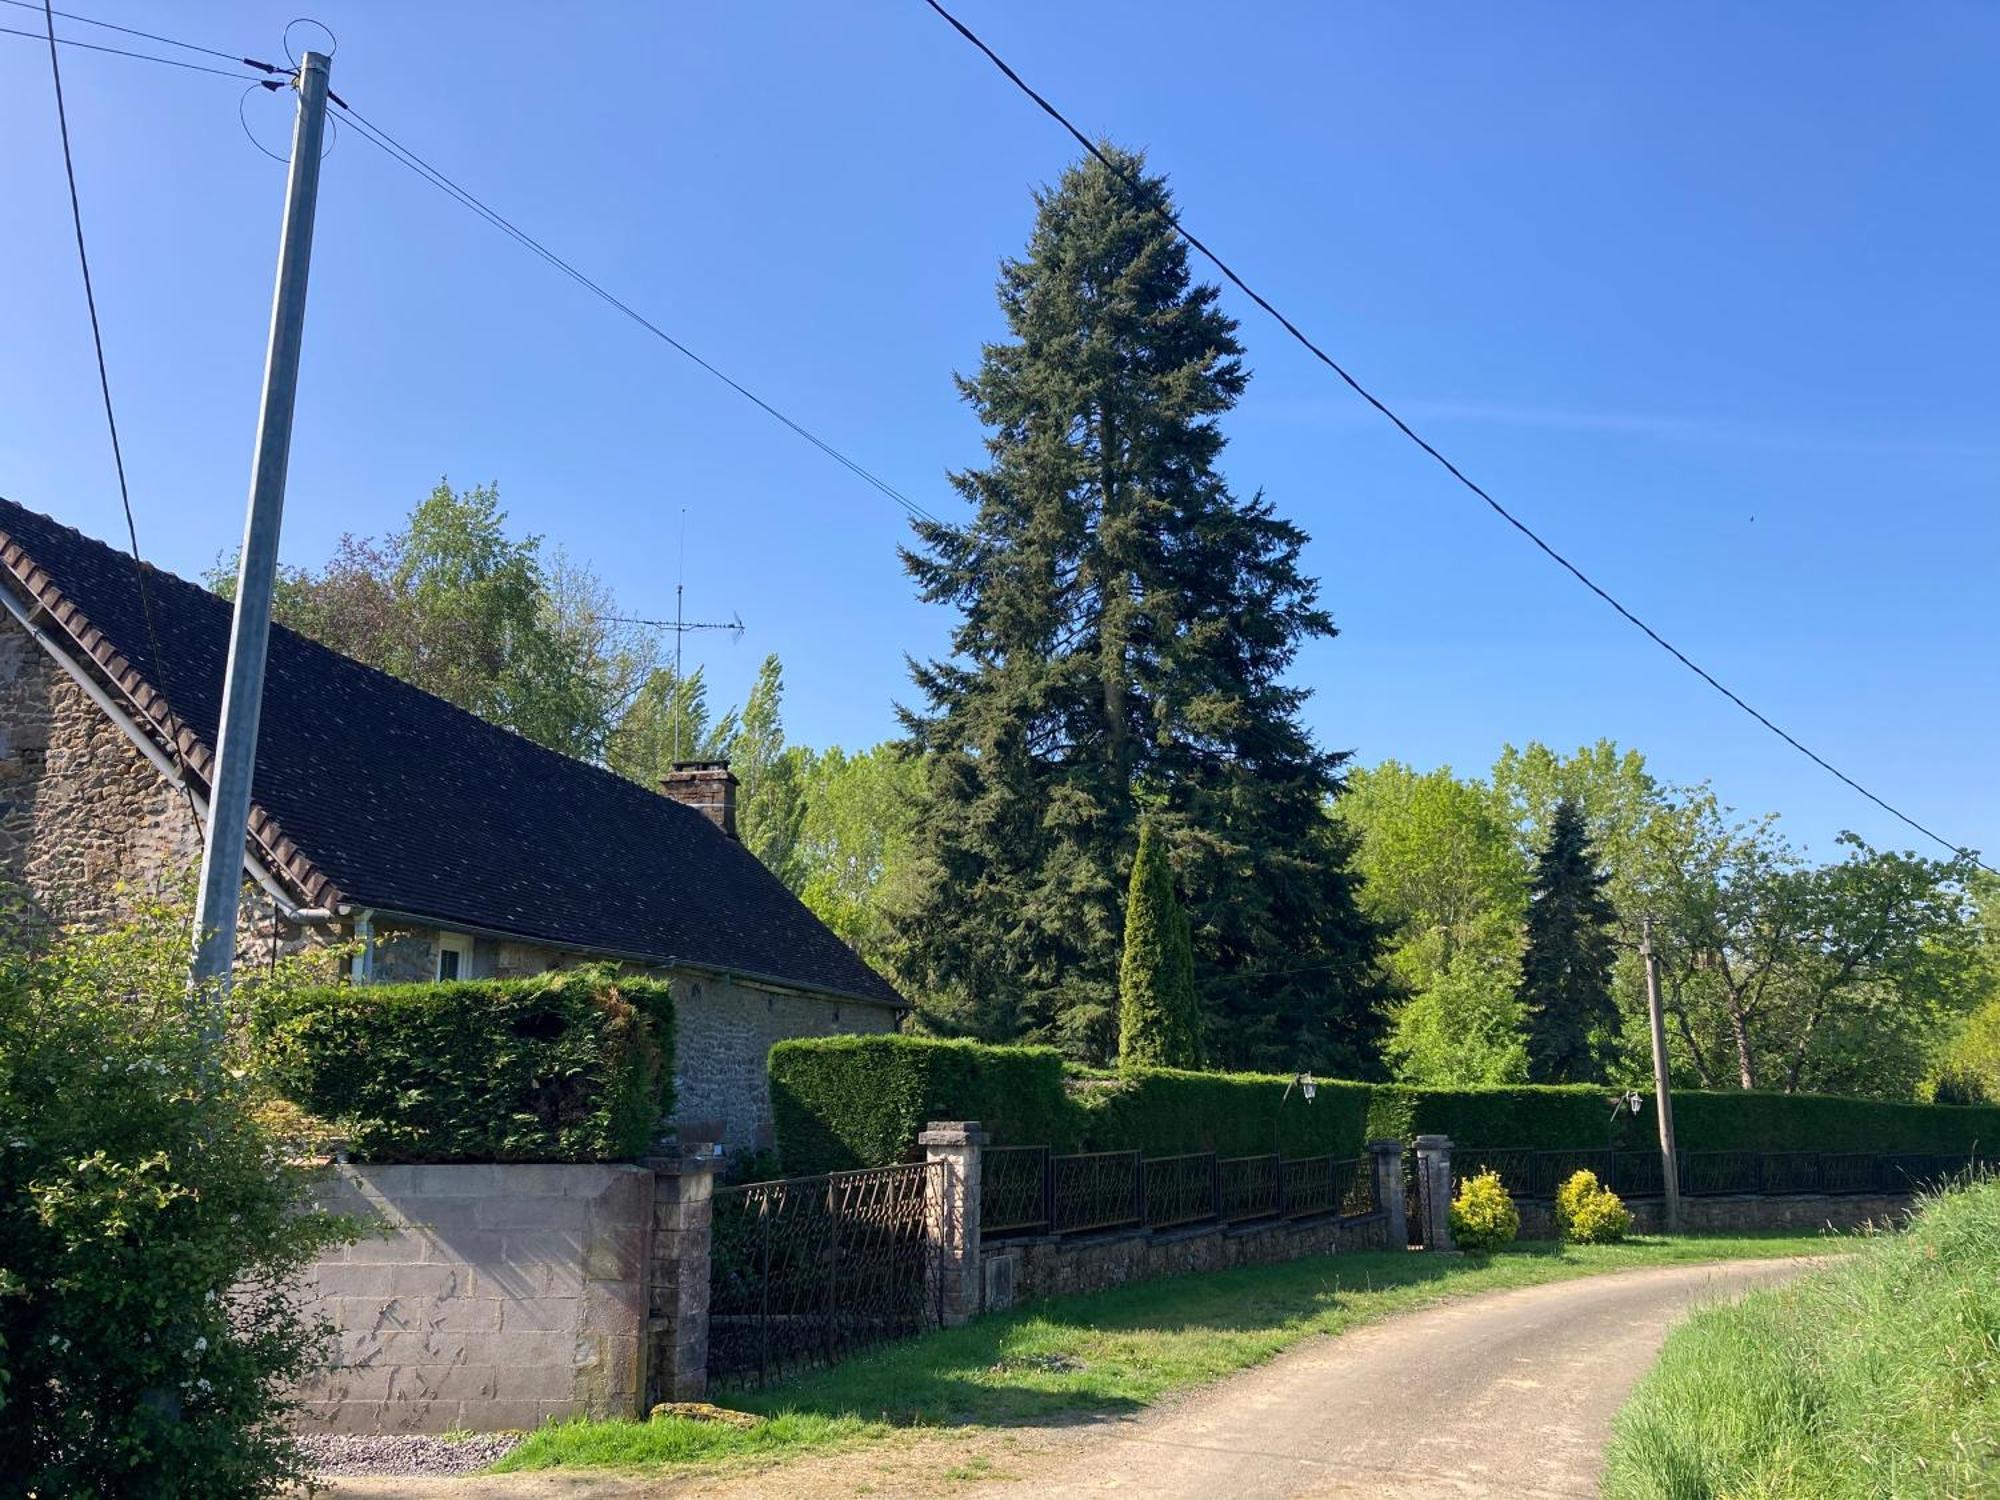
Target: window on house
{"points": [[454, 956]]}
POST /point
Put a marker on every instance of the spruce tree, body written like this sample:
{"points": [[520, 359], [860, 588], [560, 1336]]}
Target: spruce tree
{"points": [[1565, 989], [1125, 625], [1159, 1017]]}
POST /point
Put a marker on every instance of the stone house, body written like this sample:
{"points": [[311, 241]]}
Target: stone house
{"points": [[446, 847]]}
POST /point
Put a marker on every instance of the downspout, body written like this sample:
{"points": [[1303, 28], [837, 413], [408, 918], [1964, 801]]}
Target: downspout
{"points": [[364, 931]]}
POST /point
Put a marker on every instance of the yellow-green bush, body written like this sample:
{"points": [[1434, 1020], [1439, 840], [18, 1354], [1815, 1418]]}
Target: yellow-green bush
{"points": [[1483, 1216], [1588, 1213]]}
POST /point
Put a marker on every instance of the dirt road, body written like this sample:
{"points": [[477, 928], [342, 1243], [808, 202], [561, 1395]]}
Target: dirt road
{"points": [[1510, 1394]]}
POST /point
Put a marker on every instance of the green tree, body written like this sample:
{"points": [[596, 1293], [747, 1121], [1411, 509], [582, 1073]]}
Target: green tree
{"points": [[855, 835], [771, 801], [1159, 1017], [1565, 989], [153, 1229], [1125, 626], [454, 605], [1442, 875], [1968, 1072]]}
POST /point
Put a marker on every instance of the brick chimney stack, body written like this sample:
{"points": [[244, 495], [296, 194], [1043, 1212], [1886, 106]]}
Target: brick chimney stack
{"points": [[707, 786]]}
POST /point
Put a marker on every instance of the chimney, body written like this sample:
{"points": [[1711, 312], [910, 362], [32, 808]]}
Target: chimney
{"points": [[707, 786]]}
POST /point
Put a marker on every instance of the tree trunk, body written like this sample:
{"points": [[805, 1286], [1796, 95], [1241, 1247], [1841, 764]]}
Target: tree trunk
{"points": [[1746, 1067]]}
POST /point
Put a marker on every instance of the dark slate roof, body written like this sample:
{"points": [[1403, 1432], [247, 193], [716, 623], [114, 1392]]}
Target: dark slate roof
{"points": [[399, 801]]}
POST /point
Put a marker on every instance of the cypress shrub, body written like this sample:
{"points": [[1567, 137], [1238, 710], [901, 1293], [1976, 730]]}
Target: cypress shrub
{"points": [[860, 1101], [1159, 1016], [574, 1065]]}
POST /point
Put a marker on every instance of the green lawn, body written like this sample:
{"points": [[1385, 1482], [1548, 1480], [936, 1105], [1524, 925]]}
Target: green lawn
{"points": [[1071, 1357], [1876, 1377]]}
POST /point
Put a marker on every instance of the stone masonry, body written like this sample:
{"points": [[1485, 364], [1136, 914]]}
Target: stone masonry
{"points": [[491, 1297]]}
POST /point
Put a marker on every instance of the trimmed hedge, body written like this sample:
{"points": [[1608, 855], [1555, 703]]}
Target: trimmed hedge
{"points": [[860, 1101], [575, 1065], [1572, 1116], [844, 1102], [1165, 1112]]}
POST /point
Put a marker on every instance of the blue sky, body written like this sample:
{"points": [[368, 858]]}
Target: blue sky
{"points": [[1705, 292]]}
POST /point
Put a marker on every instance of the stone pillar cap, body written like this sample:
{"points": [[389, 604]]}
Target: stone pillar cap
{"points": [[952, 1133], [1384, 1148], [1433, 1142], [695, 1156]]}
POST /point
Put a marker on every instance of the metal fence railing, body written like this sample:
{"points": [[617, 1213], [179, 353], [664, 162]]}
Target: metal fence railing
{"points": [[1637, 1174], [1027, 1190], [804, 1271]]}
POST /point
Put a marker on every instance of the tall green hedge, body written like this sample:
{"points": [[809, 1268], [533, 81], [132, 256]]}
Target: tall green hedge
{"points": [[860, 1101], [575, 1065], [1165, 1112], [857, 1101]]}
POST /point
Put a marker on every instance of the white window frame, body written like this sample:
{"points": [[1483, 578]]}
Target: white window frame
{"points": [[453, 942]]}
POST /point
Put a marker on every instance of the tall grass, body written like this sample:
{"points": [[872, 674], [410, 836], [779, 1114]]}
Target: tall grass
{"points": [[1876, 1377]]}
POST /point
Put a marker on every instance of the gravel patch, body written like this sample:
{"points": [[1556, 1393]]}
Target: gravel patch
{"points": [[406, 1453]]}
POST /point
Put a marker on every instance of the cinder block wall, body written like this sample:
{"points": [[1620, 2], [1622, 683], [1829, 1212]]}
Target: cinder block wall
{"points": [[496, 1296]]}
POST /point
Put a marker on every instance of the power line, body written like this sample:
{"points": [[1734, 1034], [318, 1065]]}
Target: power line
{"points": [[110, 416], [1409, 432], [151, 36], [171, 62], [381, 139]]}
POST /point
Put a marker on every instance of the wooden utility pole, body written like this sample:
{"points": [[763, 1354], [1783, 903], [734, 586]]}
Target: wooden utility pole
{"points": [[250, 629], [1669, 1165]]}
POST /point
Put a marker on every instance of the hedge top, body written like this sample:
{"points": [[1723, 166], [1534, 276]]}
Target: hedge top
{"points": [[844, 1102]]}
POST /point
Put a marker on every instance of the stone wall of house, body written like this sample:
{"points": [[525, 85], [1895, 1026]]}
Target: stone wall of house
{"points": [[726, 1029], [88, 827], [82, 811], [492, 1296], [1736, 1212], [1045, 1266]]}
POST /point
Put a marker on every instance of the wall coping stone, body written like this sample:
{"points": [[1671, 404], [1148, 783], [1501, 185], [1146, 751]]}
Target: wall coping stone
{"points": [[952, 1133]]}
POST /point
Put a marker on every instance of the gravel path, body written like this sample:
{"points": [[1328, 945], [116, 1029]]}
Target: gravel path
{"points": [[407, 1454]]}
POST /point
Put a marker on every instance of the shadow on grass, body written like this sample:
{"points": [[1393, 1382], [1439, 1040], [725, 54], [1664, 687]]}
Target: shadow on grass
{"points": [[1063, 1361]]}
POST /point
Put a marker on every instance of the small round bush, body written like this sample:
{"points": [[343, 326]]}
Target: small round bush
{"points": [[1588, 1213], [1483, 1216]]}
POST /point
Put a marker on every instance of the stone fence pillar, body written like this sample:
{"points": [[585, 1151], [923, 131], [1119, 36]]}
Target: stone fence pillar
{"points": [[1434, 1190], [677, 1332], [1388, 1163], [955, 1221]]}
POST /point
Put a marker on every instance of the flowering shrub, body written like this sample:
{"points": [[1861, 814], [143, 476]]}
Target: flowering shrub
{"points": [[151, 1234], [1589, 1213], [1483, 1216]]}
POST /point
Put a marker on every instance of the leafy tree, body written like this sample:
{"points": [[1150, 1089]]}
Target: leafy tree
{"points": [[152, 1230], [454, 605], [1125, 626], [854, 842], [1969, 1071], [1441, 874], [1777, 973], [771, 802], [1159, 1017], [1565, 989], [667, 720]]}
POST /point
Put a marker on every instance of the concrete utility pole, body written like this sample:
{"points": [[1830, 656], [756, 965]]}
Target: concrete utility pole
{"points": [[1669, 1166], [250, 633]]}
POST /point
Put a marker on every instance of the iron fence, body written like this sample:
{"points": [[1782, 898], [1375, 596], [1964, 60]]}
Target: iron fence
{"points": [[1028, 1190], [804, 1271], [1639, 1174]]}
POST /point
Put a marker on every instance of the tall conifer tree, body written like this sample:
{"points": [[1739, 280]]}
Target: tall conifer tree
{"points": [[1125, 626], [1159, 1016], [1566, 973]]}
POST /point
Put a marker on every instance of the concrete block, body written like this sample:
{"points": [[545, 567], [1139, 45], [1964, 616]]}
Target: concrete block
{"points": [[540, 1314], [528, 1211]]}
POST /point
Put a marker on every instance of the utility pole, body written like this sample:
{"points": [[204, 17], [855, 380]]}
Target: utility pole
{"points": [[1669, 1166], [250, 630]]}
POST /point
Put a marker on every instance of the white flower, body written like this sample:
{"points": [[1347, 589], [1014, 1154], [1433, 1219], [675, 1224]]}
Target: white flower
{"points": [[200, 1344]]}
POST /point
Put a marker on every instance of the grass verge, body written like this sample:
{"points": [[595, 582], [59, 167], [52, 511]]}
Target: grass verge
{"points": [[1069, 1358], [1879, 1376]]}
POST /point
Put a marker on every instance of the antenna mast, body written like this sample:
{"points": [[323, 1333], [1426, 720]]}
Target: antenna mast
{"points": [[680, 625]]}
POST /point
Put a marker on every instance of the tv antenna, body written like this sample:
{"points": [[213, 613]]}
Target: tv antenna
{"points": [[680, 625]]}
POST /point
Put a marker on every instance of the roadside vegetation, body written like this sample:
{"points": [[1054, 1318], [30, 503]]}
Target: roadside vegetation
{"points": [[1071, 1358], [1878, 1376]]}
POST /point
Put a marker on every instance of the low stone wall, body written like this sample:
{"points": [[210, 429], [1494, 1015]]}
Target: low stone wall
{"points": [[494, 1296], [1045, 1266], [1736, 1212]]}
